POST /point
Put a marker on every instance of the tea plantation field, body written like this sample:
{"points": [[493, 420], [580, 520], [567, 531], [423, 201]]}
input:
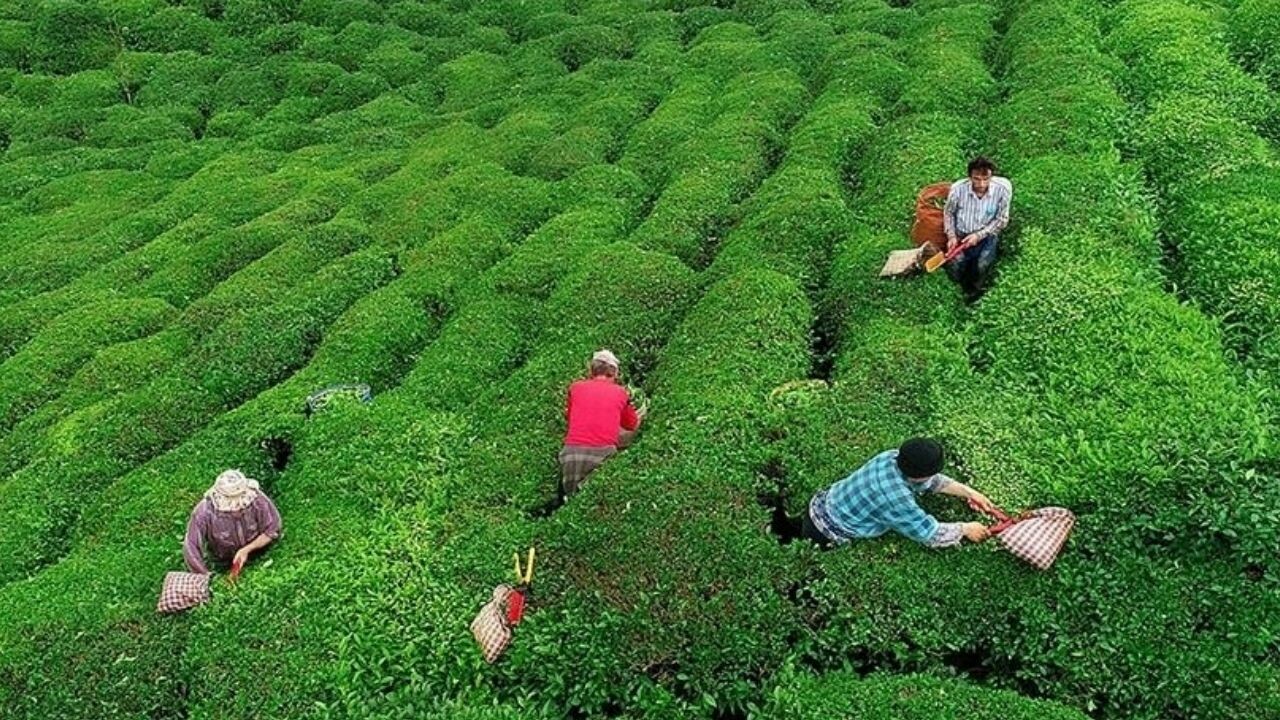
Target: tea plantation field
{"points": [[210, 209]]}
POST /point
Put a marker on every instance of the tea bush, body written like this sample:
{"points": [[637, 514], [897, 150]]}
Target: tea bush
{"points": [[211, 209], [911, 696], [1221, 154]]}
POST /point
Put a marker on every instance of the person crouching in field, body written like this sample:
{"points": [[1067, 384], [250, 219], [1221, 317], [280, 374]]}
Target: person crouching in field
{"points": [[880, 496], [977, 210], [601, 419], [232, 521]]}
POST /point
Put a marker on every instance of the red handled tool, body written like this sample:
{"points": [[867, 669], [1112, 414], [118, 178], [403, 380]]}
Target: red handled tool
{"points": [[516, 600], [940, 259], [1003, 520]]}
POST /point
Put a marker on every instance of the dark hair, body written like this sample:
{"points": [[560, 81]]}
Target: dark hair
{"points": [[920, 458], [982, 162]]}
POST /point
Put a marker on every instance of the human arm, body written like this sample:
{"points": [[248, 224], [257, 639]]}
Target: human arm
{"points": [[948, 218], [904, 515], [269, 524], [630, 417], [256, 544], [193, 543], [911, 520], [964, 492]]}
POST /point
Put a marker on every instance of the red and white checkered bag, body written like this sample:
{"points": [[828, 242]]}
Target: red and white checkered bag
{"points": [[491, 627], [1036, 536], [183, 591]]}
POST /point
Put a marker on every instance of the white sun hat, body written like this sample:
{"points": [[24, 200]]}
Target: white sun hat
{"points": [[232, 492]]}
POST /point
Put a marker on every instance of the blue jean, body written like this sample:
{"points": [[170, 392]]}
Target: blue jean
{"points": [[971, 267]]}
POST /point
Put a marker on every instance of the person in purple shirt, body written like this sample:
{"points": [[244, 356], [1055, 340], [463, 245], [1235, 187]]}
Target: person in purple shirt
{"points": [[233, 520]]}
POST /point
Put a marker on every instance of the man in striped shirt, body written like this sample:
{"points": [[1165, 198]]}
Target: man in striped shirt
{"points": [[880, 497], [977, 210]]}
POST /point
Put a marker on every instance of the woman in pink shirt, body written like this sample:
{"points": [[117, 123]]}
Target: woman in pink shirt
{"points": [[601, 419], [233, 520]]}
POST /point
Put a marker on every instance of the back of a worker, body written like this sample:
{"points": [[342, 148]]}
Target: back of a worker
{"points": [[879, 497], [600, 419]]}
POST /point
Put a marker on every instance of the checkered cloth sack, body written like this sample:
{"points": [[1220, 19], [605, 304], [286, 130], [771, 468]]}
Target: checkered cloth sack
{"points": [[491, 627], [183, 591], [1036, 536]]}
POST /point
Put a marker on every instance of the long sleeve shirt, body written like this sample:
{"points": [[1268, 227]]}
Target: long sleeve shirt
{"points": [[222, 534], [597, 409], [967, 214], [878, 498]]}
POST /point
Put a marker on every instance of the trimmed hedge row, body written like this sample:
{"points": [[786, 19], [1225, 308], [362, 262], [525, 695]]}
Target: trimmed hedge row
{"points": [[793, 222], [1175, 49], [210, 190], [242, 356], [36, 374], [1253, 29], [674, 619], [637, 591], [896, 346], [113, 370], [650, 150], [1216, 175], [948, 49], [401, 513], [64, 241], [1122, 418], [721, 165], [910, 697], [291, 262]]}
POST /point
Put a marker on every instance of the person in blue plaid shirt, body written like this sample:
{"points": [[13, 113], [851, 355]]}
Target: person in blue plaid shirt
{"points": [[880, 497]]}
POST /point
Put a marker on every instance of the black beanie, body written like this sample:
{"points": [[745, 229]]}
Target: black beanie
{"points": [[920, 458]]}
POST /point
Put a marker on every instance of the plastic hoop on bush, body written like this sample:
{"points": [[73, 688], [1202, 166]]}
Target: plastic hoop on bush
{"points": [[320, 399]]}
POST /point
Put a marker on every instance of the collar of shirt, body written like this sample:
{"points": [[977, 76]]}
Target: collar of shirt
{"points": [[968, 187]]}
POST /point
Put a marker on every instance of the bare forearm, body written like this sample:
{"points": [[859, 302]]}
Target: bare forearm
{"points": [[258, 543], [958, 489]]}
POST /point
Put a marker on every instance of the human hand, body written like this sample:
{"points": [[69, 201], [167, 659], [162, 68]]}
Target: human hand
{"points": [[970, 240], [952, 242], [981, 503], [975, 532], [240, 560]]}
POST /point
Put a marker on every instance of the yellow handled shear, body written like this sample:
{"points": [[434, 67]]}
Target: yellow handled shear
{"points": [[527, 576]]}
